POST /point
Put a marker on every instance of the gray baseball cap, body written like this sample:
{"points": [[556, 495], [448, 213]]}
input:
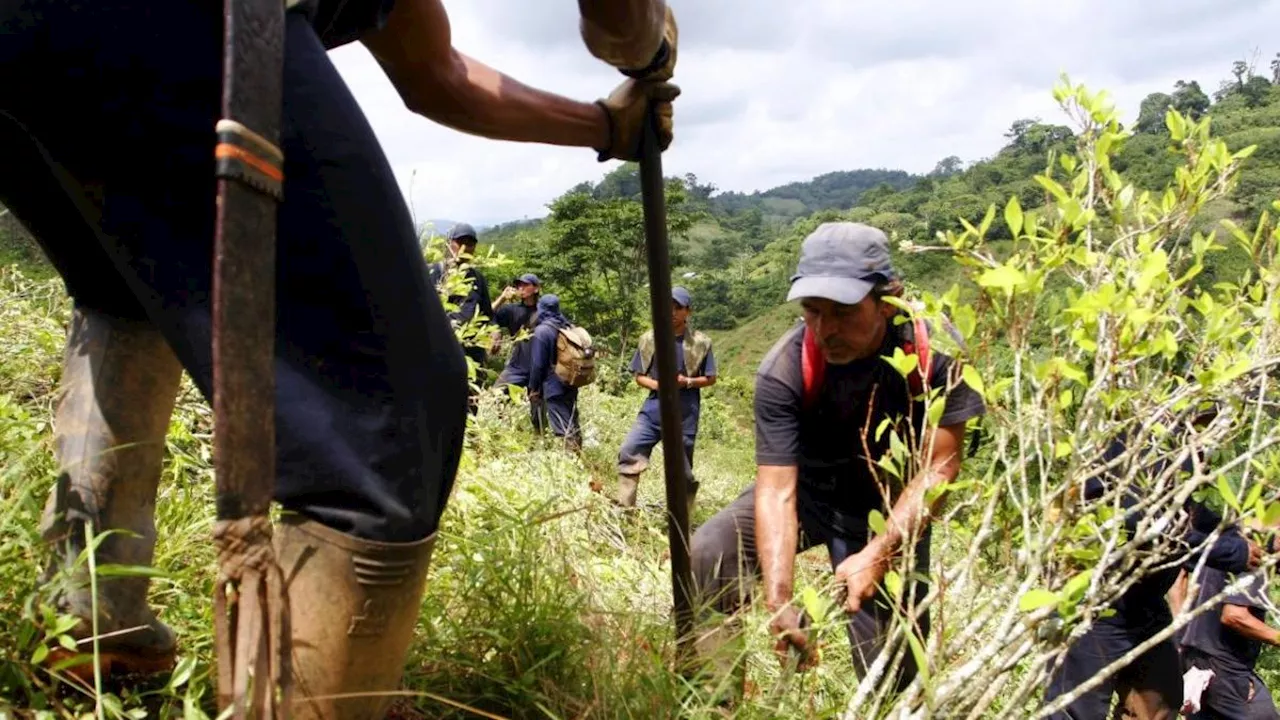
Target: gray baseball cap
{"points": [[841, 261], [461, 230]]}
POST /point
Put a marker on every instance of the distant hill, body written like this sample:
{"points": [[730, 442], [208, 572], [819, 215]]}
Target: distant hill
{"points": [[831, 191]]}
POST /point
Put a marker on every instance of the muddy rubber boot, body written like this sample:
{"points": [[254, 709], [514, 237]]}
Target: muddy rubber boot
{"points": [[628, 487], [353, 606], [119, 385]]}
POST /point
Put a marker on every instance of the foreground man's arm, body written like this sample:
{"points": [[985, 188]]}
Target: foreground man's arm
{"points": [[436, 81], [863, 571], [777, 528]]}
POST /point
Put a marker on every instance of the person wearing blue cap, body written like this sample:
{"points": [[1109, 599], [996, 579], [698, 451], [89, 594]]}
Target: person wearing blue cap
{"points": [[696, 369], [826, 408], [553, 402], [512, 317]]}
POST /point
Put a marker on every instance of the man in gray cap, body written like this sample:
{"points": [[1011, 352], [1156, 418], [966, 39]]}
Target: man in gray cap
{"points": [[822, 394], [696, 369]]}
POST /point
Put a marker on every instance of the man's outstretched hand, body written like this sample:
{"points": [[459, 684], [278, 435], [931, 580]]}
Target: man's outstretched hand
{"points": [[861, 574], [627, 107]]}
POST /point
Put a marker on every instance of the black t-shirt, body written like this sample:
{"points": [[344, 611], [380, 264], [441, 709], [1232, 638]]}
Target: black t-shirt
{"points": [[513, 316], [1206, 632], [339, 22], [826, 441]]}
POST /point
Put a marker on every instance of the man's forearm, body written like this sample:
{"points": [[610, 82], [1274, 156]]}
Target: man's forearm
{"points": [[1241, 621], [647, 382], [480, 100], [416, 51], [776, 530], [910, 513], [623, 33]]}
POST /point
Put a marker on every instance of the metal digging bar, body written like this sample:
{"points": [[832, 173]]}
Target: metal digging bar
{"points": [[251, 612], [655, 229]]}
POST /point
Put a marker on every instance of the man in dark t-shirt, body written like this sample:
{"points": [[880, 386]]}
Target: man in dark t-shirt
{"points": [[817, 453], [108, 130], [1228, 639], [511, 318]]}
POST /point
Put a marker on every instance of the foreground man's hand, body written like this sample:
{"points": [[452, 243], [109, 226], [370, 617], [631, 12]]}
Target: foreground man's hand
{"points": [[789, 627], [627, 107], [861, 574]]}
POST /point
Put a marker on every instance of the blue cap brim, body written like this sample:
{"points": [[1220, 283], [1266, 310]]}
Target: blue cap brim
{"points": [[846, 291]]}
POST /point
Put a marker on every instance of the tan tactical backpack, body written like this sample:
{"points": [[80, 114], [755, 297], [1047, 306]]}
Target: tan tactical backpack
{"points": [[575, 357]]}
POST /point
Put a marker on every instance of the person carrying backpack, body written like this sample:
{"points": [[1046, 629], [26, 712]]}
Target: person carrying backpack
{"points": [[695, 369], [558, 369], [822, 393]]}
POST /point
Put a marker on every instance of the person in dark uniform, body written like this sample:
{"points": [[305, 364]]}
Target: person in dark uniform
{"points": [[512, 317], [1227, 639], [107, 130], [462, 247], [815, 461], [552, 403], [695, 369], [1150, 686]]}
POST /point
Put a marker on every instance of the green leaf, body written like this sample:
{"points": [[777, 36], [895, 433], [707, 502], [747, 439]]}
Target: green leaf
{"points": [[937, 406], [1272, 515], [1177, 125], [1228, 493], [67, 642], [1013, 216], [1003, 277], [893, 583], [1076, 586], [917, 651], [973, 379], [115, 570], [875, 521], [39, 655], [1035, 599]]}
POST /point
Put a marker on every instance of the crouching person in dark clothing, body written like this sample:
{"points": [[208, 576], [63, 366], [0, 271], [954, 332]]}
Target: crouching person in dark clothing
{"points": [[552, 402], [1228, 639], [815, 483], [1151, 686]]}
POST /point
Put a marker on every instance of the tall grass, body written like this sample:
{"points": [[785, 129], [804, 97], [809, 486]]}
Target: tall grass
{"points": [[543, 599]]}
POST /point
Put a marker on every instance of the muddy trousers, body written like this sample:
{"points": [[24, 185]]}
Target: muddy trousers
{"points": [[107, 135], [107, 132], [725, 567], [1149, 689]]}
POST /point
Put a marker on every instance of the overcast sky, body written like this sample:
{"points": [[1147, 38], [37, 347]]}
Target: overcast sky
{"points": [[781, 90]]}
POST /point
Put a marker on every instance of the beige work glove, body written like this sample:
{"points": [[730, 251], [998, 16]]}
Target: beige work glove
{"points": [[663, 66], [627, 109]]}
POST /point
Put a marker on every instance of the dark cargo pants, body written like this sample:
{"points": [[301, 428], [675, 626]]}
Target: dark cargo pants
{"points": [[107, 135], [726, 566], [1148, 688]]}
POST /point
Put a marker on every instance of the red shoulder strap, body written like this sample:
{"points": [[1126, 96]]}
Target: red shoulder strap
{"points": [[813, 366], [919, 344]]}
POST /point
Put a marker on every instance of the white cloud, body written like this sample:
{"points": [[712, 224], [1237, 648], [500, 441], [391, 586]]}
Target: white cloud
{"points": [[781, 91]]}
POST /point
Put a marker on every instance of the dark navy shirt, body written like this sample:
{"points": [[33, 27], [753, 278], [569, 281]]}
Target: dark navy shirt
{"points": [[512, 318], [1207, 634]]}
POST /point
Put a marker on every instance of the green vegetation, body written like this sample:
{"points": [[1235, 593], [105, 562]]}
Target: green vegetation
{"points": [[1093, 301]]}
